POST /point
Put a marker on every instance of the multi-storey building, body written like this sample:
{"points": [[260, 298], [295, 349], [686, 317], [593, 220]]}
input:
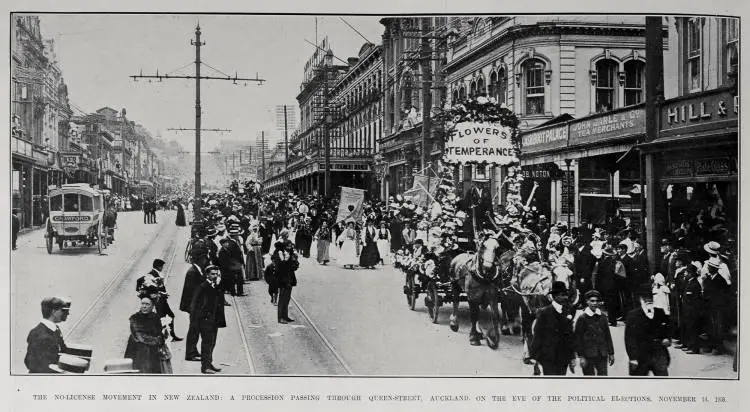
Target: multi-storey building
{"points": [[695, 155], [358, 125], [336, 106], [577, 86], [30, 157], [405, 62]]}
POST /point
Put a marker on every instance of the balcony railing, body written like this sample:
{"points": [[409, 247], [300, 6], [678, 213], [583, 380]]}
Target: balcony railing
{"points": [[348, 152]]}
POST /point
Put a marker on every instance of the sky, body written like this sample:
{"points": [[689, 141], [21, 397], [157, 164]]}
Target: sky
{"points": [[98, 53]]}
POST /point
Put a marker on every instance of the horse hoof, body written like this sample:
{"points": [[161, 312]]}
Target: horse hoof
{"points": [[475, 343], [492, 344], [505, 332], [454, 327]]}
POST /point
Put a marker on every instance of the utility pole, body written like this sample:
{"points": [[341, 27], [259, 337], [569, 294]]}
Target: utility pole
{"points": [[197, 43], [648, 176], [263, 155], [326, 120], [426, 55], [286, 151]]}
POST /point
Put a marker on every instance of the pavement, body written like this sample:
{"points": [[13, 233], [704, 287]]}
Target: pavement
{"points": [[347, 322]]}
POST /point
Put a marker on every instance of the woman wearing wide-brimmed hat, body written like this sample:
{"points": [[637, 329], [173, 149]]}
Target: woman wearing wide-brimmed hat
{"points": [[348, 240], [323, 237], [254, 258]]}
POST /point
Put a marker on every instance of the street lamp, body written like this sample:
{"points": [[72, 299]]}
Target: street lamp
{"points": [[570, 189]]}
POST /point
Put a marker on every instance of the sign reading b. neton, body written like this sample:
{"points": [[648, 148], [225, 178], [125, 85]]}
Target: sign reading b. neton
{"points": [[472, 142]]}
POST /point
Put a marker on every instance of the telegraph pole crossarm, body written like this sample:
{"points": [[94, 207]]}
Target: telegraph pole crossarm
{"points": [[197, 77]]}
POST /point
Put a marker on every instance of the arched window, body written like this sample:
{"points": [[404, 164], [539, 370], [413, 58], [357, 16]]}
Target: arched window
{"points": [[635, 80], [473, 89], [454, 97], [406, 90], [606, 72], [533, 73], [481, 91], [492, 87], [462, 93]]}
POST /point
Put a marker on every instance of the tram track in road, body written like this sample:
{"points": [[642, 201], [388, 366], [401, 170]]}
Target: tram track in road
{"points": [[340, 359], [245, 346], [88, 317]]}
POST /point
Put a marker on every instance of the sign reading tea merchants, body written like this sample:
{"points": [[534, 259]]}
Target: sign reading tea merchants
{"points": [[472, 142], [608, 126]]}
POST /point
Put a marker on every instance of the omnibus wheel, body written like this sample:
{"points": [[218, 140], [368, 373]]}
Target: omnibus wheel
{"points": [[49, 243]]}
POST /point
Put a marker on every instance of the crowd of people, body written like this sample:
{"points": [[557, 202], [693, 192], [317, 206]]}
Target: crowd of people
{"points": [[243, 236]]}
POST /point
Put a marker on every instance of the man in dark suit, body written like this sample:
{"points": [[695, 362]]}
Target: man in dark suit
{"points": [[161, 303], [193, 279], [45, 341], [231, 262], [207, 314], [583, 265], [552, 345], [15, 227], [647, 338]]}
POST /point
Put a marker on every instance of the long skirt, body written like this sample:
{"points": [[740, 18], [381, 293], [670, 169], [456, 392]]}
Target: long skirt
{"points": [[254, 266], [348, 253], [370, 255], [323, 247], [384, 248]]}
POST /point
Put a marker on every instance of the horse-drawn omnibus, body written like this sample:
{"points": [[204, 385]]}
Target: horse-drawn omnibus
{"points": [[76, 214]]}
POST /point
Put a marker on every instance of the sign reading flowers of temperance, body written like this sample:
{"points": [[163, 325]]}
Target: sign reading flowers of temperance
{"points": [[472, 142], [480, 131]]}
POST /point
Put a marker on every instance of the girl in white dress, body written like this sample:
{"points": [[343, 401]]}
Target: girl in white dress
{"points": [[384, 243], [348, 240]]}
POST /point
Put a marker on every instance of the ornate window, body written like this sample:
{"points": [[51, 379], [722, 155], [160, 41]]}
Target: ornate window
{"points": [[454, 96], [634, 82], [462, 93], [694, 54], [606, 73], [731, 49], [498, 85], [406, 91], [533, 86], [481, 91], [472, 89]]}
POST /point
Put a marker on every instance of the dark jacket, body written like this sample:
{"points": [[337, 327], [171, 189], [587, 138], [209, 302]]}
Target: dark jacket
{"points": [[605, 274], [193, 280], [593, 338], [44, 349], [16, 225], [583, 264], [553, 339], [640, 275], [643, 336], [230, 258], [207, 307], [144, 342], [284, 269]]}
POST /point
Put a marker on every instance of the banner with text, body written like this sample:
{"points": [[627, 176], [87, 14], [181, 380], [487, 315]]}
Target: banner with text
{"points": [[351, 204], [472, 142]]}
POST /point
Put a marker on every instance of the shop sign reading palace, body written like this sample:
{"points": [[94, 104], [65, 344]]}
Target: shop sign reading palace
{"points": [[472, 142]]}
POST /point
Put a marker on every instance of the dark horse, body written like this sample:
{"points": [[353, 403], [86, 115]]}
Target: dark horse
{"points": [[478, 275]]}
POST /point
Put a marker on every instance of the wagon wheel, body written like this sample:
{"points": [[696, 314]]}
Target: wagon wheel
{"points": [[48, 238], [99, 238]]}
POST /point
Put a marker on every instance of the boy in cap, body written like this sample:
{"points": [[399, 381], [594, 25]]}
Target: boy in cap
{"points": [[45, 341], [553, 342], [647, 338], [593, 338]]}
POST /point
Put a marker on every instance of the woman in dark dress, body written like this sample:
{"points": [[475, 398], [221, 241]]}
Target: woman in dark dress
{"points": [[146, 339], [180, 221], [369, 256]]}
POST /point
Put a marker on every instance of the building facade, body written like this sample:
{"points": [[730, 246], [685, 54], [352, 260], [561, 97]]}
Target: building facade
{"points": [[404, 73], [577, 85], [695, 156]]}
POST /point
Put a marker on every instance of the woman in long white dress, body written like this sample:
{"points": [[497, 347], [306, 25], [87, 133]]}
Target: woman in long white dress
{"points": [[384, 243], [348, 240]]}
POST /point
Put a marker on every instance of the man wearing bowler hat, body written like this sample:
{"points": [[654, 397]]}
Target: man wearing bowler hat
{"points": [[647, 338], [553, 343], [593, 338], [45, 341]]}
